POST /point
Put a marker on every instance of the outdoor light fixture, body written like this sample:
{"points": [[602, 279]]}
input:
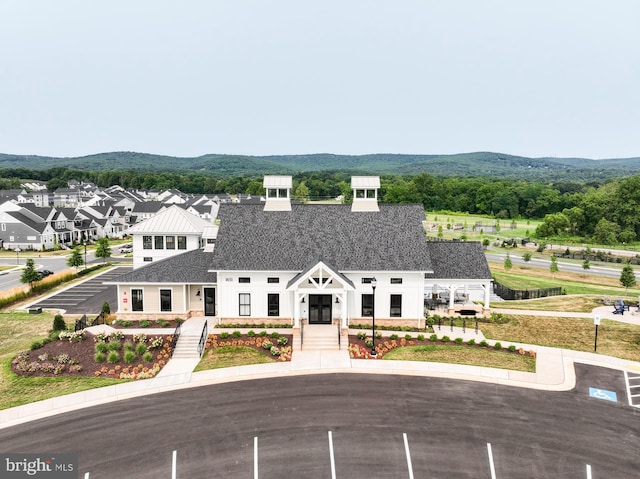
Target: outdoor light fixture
{"points": [[302, 300], [17, 255], [84, 242], [337, 300], [198, 293], [374, 283]]}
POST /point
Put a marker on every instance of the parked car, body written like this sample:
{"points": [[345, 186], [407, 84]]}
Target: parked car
{"points": [[43, 273], [126, 249]]}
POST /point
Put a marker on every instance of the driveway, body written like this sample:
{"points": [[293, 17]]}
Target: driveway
{"points": [[86, 297]]}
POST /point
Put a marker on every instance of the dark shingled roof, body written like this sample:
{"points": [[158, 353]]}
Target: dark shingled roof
{"points": [[190, 267], [458, 260], [391, 239]]}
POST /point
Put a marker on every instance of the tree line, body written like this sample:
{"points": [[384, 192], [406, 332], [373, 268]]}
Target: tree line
{"points": [[606, 211]]}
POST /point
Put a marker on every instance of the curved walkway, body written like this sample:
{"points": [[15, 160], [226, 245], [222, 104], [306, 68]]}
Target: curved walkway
{"points": [[554, 370]]}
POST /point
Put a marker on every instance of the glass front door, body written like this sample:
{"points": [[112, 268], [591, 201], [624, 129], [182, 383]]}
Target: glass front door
{"points": [[209, 301], [319, 309]]}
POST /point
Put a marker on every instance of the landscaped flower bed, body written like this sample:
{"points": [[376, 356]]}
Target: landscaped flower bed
{"points": [[114, 355], [360, 345], [274, 345]]}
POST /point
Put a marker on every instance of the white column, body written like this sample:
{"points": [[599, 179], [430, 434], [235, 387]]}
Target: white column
{"points": [[296, 310], [487, 294], [452, 293]]}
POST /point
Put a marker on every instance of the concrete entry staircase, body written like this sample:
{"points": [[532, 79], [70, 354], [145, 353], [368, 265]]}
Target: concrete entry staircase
{"points": [[187, 345], [321, 337]]}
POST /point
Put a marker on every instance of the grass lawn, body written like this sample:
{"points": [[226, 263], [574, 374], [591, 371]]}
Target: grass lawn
{"points": [[575, 303], [614, 339], [228, 356], [525, 277], [17, 332], [464, 355]]}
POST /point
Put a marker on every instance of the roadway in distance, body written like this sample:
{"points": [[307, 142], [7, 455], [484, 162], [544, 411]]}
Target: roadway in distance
{"points": [[448, 426]]}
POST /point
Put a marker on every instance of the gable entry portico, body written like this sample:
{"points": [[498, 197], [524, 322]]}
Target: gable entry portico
{"points": [[320, 294]]}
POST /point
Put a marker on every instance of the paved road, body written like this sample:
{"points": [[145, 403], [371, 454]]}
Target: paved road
{"points": [[87, 297], [298, 421]]}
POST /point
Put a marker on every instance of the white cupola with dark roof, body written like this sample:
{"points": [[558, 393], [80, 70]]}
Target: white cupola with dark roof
{"points": [[365, 193], [278, 193]]}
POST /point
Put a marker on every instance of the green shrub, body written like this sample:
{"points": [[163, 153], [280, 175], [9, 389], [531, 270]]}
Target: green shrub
{"points": [[179, 320], [113, 357], [251, 333], [99, 357], [141, 348], [282, 340], [361, 335], [420, 337], [54, 335], [129, 357], [36, 345], [236, 334], [275, 335], [458, 340], [124, 323], [224, 335], [128, 346], [58, 323], [433, 337], [484, 344], [274, 351], [445, 339], [512, 348], [113, 345], [368, 342], [393, 336], [145, 323], [101, 347], [106, 309], [148, 357], [162, 322], [267, 344], [263, 333], [497, 346], [471, 342], [408, 337], [378, 335]]}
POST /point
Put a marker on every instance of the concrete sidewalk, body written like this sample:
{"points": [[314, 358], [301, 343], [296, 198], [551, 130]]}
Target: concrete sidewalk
{"points": [[554, 370]]}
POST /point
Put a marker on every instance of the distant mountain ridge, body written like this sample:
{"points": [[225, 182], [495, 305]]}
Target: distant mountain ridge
{"points": [[463, 164]]}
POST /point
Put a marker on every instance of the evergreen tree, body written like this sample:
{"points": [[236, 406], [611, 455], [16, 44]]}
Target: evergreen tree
{"points": [[526, 257], [103, 250], [29, 273], [627, 277], [75, 260], [586, 265]]}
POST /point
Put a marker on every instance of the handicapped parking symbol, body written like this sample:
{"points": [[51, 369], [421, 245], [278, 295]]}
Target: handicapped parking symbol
{"points": [[603, 394]]}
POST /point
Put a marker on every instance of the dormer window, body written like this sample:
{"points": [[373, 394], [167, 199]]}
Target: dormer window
{"points": [[365, 193], [277, 197]]}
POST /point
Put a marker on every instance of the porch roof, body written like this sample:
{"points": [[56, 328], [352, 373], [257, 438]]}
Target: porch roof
{"points": [[319, 264], [458, 260]]}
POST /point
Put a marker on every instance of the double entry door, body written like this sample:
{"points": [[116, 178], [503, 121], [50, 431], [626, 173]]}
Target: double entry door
{"points": [[319, 309]]}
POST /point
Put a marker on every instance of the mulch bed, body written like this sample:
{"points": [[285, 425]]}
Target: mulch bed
{"points": [[80, 362], [254, 342], [169, 324]]}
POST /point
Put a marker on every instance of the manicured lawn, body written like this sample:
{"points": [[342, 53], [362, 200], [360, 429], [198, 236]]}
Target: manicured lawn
{"points": [[228, 356], [473, 356], [17, 332], [614, 339], [572, 283]]}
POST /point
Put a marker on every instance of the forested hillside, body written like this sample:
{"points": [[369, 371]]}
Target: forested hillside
{"points": [[484, 164]]}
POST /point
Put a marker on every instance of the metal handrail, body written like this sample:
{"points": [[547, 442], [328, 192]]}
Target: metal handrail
{"points": [[301, 333], [174, 338], [203, 339], [339, 336]]}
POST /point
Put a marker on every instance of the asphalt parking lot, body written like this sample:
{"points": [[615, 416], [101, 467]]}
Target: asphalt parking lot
{"points": [[86, 297], [346, 425]]}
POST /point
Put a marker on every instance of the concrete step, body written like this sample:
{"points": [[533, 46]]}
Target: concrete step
{"points": [[320, 337], [186, 347]]}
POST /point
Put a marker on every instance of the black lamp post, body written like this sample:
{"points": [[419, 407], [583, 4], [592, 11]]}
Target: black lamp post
{"points": [[374, 283], [17, 255]]}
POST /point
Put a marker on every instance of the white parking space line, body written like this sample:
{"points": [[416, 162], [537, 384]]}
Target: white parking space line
{"points": [[331, 457], [632, 383], [174, 464], [255, 457], [86, 476], [406, 448], [588, 471], [491, 465]]}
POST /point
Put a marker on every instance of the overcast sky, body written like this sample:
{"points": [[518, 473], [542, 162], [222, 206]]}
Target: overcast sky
{"points": [[187, 78]]}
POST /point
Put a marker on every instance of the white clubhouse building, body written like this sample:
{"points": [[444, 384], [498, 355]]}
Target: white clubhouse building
{"points": [[279, 262]]}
